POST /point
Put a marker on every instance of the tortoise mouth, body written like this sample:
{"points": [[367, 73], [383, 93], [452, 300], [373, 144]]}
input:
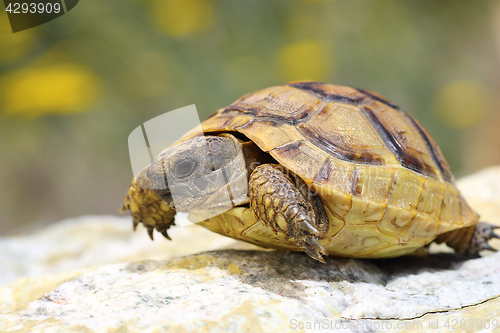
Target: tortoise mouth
{"points": [[163, 192]]}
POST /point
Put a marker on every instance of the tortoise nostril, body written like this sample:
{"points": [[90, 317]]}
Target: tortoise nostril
{"points": [[158, 181]]}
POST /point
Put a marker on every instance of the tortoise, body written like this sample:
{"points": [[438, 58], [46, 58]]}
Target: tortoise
{"points": [[324, 169]]}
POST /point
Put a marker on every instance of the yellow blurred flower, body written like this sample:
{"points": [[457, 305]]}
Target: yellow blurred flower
{"points": [[304, 60], [461, 104], [56, 89], [182, 17], [13, 46]]}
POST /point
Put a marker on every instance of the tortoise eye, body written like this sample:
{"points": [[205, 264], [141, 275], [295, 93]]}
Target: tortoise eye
{"points": [[184, 168]]}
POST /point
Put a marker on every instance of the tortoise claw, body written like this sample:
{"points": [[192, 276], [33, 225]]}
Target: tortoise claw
{"points": [[135, 225], [123, 208], [315, 249], [150, 233], [164, 233], [489, 248], [304, 225], [489, 231], [488, 228], [315, 255], [313, 242], [492, 233]]}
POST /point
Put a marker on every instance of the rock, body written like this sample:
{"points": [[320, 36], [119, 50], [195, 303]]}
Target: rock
{"points": [[233, 291], [96, 240], [255, 291]]}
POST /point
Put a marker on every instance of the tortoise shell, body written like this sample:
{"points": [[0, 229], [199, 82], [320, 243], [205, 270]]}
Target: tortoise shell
{"points": [[384, 183]]}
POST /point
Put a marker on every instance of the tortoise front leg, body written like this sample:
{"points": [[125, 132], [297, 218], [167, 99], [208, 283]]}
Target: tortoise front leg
{"points": [[285, 204], [147, 208]]}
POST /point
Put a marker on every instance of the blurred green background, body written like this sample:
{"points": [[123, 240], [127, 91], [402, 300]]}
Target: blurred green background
{"points": [[72, 90]]}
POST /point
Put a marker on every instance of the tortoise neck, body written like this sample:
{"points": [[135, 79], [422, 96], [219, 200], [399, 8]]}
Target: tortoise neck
{"points": [[254, 156]]}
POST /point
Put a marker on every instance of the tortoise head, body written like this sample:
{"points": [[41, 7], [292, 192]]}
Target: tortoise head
{"points": [[201, 174]]}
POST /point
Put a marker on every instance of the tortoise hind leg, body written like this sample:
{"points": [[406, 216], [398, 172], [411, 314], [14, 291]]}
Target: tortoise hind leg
{"points": [[469, 241], [285, 204], [479, 240]]}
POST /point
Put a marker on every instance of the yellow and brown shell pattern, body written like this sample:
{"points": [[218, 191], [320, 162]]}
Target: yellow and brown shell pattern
{"points": [[384, 182]]}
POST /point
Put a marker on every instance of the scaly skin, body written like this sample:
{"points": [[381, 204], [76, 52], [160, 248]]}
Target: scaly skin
{"points": [[147, 208], [483, 232], [278, 202]]}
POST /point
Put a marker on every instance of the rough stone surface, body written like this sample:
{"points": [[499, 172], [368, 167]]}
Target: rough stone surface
{"points": [[240, 291], [96, 240], [252, 291]]}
